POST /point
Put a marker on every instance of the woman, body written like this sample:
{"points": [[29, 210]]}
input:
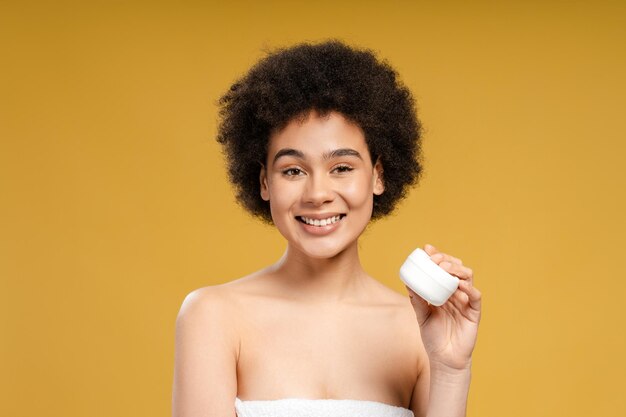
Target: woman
{"points": [[321, 139]]}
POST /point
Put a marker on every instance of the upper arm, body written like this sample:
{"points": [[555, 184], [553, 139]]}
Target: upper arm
{"points": [[419, 399], [421, 389], [205, 363]]}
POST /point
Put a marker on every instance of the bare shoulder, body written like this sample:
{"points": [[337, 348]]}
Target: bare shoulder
{"points": [[393, 298], [397, 313], [218, 300], [201, 301]]}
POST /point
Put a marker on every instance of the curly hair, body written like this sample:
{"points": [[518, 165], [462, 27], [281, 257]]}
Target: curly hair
{"points": [[325, 77]]}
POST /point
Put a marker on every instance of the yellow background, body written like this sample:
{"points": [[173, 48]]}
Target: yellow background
{"points": [[114, 203]]}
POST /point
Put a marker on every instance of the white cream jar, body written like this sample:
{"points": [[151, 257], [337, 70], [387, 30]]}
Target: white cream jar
{"points": [[427, 279]]}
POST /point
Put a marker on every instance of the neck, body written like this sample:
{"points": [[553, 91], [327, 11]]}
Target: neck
{"points": [[336, 279]]}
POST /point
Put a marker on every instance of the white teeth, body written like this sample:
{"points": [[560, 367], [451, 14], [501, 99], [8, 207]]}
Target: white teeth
{"points": [[322, 222]]}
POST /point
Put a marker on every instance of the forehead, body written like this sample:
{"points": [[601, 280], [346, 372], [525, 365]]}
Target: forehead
{"points": [[315, 135]]}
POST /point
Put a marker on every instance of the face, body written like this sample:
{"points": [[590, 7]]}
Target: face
{"points": [[320, 183]]}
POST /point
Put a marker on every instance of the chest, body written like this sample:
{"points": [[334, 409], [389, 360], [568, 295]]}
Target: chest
{"points": [[363, 353]]}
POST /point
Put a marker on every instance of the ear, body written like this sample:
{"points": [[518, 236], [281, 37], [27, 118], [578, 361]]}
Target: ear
{"points": [[379, 184], [265, 192]]}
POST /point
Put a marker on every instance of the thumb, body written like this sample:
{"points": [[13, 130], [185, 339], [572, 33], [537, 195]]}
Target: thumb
{"points": [[422, 308]]}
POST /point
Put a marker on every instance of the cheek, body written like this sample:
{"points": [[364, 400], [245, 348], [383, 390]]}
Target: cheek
{"points": [[282, 196], [359, 192]]}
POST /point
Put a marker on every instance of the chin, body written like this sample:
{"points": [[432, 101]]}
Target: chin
{"points": [[321, 251], [327, 248]]}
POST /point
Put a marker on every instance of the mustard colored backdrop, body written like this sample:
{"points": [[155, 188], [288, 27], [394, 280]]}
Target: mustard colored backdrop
{"points": [[114, 202]]}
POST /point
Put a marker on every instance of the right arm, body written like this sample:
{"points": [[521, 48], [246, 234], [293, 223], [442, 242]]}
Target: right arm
{"points": [[449, 335], [206, 352]]}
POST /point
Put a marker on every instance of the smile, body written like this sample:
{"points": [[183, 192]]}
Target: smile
{"points": [[320, 222]]}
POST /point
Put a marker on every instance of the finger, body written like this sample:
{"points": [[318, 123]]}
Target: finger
{"points": [[461, 309], [460, 271], [430, 249], [439, 257], [474, 296], [422, 308], [459, 300]]}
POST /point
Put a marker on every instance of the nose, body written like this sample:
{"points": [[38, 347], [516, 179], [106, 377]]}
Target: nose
{"points": [[318, 190]]}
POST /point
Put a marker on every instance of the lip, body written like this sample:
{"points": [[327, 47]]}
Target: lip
{"points": [[320, 216], [321, 230]]}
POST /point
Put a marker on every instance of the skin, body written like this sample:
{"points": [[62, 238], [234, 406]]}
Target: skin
{"points": [[315, 324]]}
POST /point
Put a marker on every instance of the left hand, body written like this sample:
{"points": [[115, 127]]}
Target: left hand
{"points": [[449, 332]]}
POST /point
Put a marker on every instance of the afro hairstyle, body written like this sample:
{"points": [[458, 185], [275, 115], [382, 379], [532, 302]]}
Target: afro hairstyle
{"points": [[329, 76]]}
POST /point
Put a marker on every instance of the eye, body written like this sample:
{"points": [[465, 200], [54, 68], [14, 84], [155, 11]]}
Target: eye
{"points": [[340, 169], [292, 172]]}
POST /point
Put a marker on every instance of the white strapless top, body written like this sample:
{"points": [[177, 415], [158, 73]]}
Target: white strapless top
{"points": [[297, 407]]}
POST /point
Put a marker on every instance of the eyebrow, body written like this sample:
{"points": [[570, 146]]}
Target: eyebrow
{"points": [[327, 155]]}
